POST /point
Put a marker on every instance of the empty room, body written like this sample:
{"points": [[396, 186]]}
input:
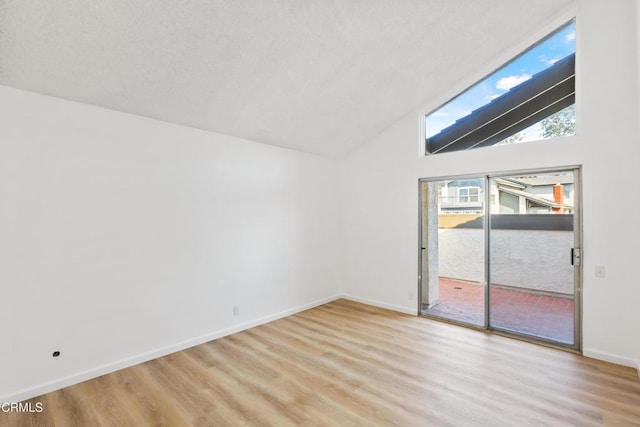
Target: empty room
{"points": [[324, 212]]}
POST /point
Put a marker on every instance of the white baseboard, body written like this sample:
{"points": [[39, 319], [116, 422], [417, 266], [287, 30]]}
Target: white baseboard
{"points": [[57, 384], [48, 387], [380, 304], [608, 357]]}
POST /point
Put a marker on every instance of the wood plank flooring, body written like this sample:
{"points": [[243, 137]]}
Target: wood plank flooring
{"points": [[348, 364]]}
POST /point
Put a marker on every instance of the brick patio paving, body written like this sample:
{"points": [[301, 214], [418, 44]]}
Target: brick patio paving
{"points": [[543, 316]]}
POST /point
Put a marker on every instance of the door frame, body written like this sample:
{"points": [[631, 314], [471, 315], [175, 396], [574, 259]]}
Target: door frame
{"points": [[578, 243]]}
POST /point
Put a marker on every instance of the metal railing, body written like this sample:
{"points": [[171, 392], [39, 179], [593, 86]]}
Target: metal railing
{"points": [[453, 201]]}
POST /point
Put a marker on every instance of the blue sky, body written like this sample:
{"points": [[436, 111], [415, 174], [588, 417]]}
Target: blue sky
{"points": [[559, 45]]}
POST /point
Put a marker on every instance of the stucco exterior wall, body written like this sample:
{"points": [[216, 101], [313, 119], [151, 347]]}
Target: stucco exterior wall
{"points": [[531, 259]]}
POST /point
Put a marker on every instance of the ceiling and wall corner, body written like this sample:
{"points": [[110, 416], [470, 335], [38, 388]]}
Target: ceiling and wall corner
{"points": [[319, 76]]}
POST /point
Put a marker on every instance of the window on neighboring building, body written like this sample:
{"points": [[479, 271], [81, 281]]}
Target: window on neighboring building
{"points": [[463, 195], [468, 194], [530, 98]]}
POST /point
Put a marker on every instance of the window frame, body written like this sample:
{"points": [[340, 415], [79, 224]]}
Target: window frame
{"points": [[547, 31]]}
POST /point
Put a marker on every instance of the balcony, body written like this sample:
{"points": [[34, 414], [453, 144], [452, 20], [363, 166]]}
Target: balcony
{"points": [[524, 310], [460, 201], [531, 276]]}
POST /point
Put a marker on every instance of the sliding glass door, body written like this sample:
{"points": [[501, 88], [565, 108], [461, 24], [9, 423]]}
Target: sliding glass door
{"points": [[501, 252], [532, 256], [453, 250]]}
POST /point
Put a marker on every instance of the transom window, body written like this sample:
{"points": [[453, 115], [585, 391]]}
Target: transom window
{"points": [[531, 97]]}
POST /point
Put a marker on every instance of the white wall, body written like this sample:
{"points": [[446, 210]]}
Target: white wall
{"points": [[531, 259], [638, 123], [638, 288], [380, 183], [123, 238]]}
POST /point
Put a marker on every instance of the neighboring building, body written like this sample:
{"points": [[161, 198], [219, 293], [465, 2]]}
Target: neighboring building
{"points": [[465, 196], [525, 195], [533, 195]]}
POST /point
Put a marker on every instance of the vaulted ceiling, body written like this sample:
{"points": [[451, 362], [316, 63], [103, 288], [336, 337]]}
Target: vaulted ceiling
{"points": [[320, 76]]}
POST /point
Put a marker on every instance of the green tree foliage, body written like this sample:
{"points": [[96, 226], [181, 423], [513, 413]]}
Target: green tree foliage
{"points": [[562, 123], [513, 139]]}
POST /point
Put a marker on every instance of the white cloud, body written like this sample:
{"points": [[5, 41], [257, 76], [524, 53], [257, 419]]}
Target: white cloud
{"points": [[550, 61], [507, 83], [571, 36], [495, 96]]}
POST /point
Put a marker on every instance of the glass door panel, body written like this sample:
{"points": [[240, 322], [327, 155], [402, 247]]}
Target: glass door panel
{"points": [[453, 248], [531, 241]]}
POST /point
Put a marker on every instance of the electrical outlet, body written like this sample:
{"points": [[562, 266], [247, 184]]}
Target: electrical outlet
{"points": [[601, 272], [236, 310]]}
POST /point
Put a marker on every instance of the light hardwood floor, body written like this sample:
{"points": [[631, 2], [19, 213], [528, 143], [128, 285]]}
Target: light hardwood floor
{"points": [[345, 364]]}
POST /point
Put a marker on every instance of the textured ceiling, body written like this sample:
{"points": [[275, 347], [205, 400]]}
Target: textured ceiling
{"points": [[321, 76]]}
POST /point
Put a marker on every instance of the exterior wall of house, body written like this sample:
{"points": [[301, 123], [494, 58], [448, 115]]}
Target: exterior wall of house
{"points": [[528, 259], [547, 192], [509, 203]]}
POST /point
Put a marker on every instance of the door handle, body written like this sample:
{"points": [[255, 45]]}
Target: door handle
{"points": [[576, 256]]}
